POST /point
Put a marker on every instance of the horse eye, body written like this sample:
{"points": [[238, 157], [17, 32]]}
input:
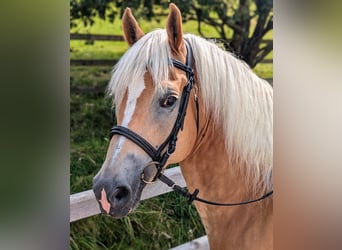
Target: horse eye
{"points": [[168, 101]]}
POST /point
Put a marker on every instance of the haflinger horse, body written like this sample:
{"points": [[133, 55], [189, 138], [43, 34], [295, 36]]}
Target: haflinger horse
{"points": [[223, 144]]}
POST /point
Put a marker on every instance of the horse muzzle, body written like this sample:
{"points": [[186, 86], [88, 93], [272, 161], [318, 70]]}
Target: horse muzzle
{"points": [[118, 187], [116, 199]]}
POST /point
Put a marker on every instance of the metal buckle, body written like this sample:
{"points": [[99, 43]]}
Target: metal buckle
{"points": [[143, 175]]}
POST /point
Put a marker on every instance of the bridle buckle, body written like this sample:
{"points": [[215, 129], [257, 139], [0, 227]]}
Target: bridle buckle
{"points": [[142, 177]]}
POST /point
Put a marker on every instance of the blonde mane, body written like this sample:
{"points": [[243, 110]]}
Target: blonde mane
{"points": [[240, 101]]}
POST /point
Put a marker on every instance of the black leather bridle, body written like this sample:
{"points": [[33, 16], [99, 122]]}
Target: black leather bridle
{"points": [[160, 155]]}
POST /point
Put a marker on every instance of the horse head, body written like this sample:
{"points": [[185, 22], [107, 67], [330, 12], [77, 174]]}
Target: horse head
{"points": [[148, 97]]}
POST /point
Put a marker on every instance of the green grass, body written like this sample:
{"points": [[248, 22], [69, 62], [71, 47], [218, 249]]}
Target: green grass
{"points": [[89, 76], [90, 122], [264, 70], [158, 223], [104, 27], [97, 50]]}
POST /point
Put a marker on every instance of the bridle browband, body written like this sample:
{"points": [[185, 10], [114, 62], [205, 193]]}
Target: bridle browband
{"points": [[160, 155]]}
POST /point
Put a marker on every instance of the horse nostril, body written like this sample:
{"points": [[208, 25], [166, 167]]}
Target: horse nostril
{"points": [[119, 193]]}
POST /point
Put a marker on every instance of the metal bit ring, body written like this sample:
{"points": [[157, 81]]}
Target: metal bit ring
{"points": [[143, 175]]}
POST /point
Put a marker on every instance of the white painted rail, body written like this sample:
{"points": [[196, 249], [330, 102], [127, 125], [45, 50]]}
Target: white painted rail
{"points": [[200, 243], [83, 205]]}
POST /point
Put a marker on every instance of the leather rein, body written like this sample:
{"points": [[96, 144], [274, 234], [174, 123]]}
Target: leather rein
{"points": [[160, 155]]}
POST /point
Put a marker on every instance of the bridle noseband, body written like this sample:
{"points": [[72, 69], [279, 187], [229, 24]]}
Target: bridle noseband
{"points": [[160, 155]]}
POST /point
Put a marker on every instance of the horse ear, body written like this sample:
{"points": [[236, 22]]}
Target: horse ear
{"points": [[132, 31], [174, 29]]}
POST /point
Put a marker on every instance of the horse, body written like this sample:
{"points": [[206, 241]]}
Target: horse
{"points": [[180, 98]]}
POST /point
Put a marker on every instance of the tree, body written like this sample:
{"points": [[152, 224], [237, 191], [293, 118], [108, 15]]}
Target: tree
{"points": [[246, 22]]}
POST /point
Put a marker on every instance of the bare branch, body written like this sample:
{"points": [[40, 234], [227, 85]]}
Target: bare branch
{"points": [[263, 52], [269, 25]]}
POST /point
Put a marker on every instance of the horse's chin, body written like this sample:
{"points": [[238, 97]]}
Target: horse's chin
{"points": [[116, 214]]}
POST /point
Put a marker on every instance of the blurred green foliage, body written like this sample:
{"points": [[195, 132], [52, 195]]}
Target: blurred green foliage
{"points": [[245, 22]]}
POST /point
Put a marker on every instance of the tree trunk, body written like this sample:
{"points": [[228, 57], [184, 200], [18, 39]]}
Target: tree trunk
{"points": [[248, 48], [240, 36]]}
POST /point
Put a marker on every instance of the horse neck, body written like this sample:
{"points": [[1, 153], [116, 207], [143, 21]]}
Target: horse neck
{"points": [[209, 169]]}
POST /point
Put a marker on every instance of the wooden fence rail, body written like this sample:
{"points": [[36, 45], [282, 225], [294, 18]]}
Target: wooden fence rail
{"points": [[83, 205], [93, 37], [200, 243], [105, 62], [100, 37]]}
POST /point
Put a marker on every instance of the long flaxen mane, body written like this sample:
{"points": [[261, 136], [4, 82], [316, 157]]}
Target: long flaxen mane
{"points": [[241, 102]]}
